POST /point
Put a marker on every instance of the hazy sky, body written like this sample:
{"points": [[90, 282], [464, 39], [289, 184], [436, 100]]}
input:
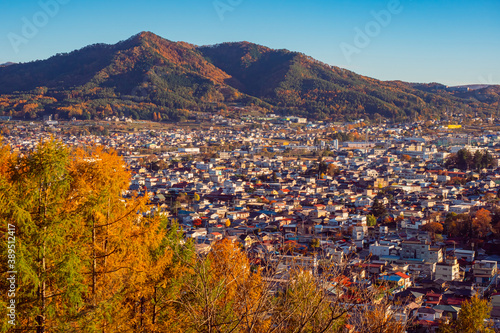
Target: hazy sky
{"points": [[447, 41]]}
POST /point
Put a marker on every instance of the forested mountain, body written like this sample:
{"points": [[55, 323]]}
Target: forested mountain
{"points": [[147, 74]]}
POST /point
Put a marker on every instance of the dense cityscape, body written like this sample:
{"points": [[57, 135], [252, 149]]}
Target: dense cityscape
{"points": [[412, 207]]}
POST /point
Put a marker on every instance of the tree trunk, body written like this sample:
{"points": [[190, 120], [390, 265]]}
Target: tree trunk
{"points": [[94, 265], [154, 307]]}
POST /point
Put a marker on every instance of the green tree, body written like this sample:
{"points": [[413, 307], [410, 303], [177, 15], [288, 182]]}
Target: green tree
{"points": [[322, 167], [171, 268], [315, 243], [378, 208], [488, 160], [371, 220], [471, 318], [34, 197], [477, 159], [464, 159]]}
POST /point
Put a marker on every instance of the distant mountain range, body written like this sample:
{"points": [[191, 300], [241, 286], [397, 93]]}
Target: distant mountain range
{"points": [[472, 86], [147, 75]]}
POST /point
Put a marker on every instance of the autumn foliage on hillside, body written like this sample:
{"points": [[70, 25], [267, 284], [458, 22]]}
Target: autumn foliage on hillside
{"points": [[146, 74]]}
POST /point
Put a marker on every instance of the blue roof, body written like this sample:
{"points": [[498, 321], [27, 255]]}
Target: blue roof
{"points": [[185, 212], [267, 212], [389, 257], [392, 278]]}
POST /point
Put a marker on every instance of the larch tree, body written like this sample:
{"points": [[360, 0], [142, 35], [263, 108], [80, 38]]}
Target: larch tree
{"points": [[34, 192], [118, 240], [171, 269], [84, 253], [379, 317], [304, 305], [471, 319], [223, 294]]}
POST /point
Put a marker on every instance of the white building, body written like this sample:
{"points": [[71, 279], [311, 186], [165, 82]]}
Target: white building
{"points": [[380, 250]]}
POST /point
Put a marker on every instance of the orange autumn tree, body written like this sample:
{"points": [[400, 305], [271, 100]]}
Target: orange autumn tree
{"points": [[88, 259], [223, 294], [5, 157], [481, 223], [433, 227], [118, 240]]}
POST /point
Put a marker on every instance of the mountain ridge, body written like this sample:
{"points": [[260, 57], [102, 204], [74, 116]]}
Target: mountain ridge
{"points": [[147, 74]]}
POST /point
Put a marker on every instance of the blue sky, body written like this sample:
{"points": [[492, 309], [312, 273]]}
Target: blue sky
{"points": [[451, 42]]}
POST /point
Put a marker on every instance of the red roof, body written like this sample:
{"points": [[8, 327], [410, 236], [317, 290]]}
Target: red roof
{"points": [[403, 275], [427, 323], [454, 301]]}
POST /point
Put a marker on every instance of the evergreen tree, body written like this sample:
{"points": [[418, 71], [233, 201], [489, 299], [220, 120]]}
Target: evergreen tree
{"points": [[34, 197], [378, 208]]}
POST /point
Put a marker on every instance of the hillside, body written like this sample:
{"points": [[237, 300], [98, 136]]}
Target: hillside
{"points": [[137, 77], [147, 74], [296, 83]]}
